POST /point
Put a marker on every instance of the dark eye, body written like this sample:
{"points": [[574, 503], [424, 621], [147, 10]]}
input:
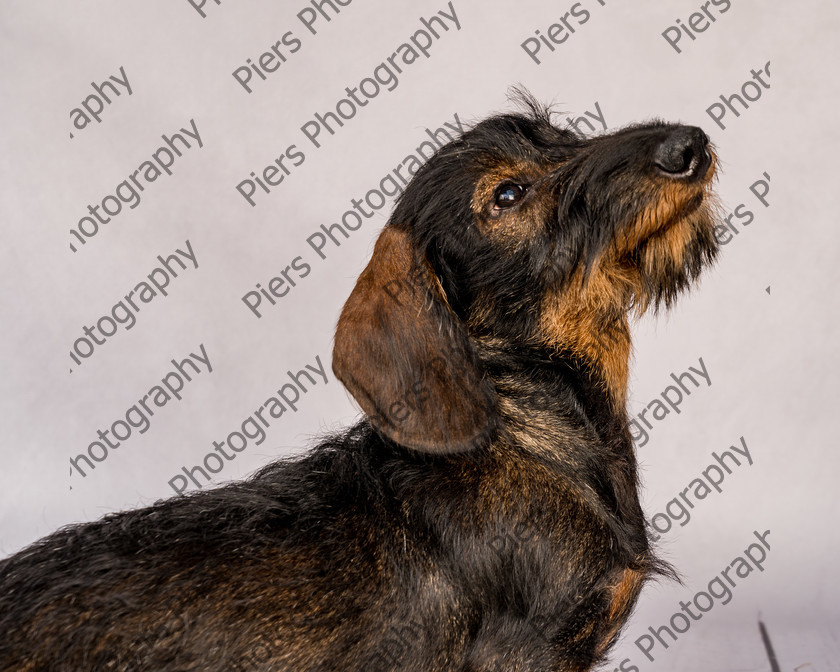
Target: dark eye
{"points": [[509, 195]]}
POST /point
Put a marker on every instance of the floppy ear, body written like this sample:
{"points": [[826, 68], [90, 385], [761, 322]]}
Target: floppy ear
{"points": [[406, 357]]}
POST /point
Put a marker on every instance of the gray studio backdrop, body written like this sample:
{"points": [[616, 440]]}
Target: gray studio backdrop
{"points": [[191, 187]]}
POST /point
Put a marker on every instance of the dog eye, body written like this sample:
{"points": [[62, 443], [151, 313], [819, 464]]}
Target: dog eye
{"points": [[508, 195]]}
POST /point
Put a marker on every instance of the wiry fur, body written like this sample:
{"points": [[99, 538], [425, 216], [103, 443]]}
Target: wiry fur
{"points": [[484, 515]]}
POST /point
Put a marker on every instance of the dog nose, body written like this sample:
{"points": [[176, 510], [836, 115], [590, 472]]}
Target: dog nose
{"points": [[684, 153]]}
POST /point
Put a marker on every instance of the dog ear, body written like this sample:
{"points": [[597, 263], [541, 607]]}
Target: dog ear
{"points": [[406, 357]]}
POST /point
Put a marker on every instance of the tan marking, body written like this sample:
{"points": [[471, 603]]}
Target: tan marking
{"points": [[589, 318], [664, 211], [624, 595], [515, 171], [510, 228], [576, 319]]}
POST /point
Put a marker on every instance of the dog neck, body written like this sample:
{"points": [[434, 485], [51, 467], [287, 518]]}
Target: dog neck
{"points": [[554, 406], [592, 325]]}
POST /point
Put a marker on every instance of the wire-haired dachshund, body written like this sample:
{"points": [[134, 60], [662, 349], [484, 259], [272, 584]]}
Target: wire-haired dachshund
{"points": [[483, 516]]}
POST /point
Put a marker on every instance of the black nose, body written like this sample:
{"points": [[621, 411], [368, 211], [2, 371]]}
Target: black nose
{"points": [[684, 153]]}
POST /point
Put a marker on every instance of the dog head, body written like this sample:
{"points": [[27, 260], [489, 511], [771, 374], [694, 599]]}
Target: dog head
{"points": [[530, 236]]}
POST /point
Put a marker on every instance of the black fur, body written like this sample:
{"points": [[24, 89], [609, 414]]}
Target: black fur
{"points": [[522, 550]]}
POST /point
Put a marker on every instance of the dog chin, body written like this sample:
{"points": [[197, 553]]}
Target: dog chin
{"points": [[671, 261]]}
